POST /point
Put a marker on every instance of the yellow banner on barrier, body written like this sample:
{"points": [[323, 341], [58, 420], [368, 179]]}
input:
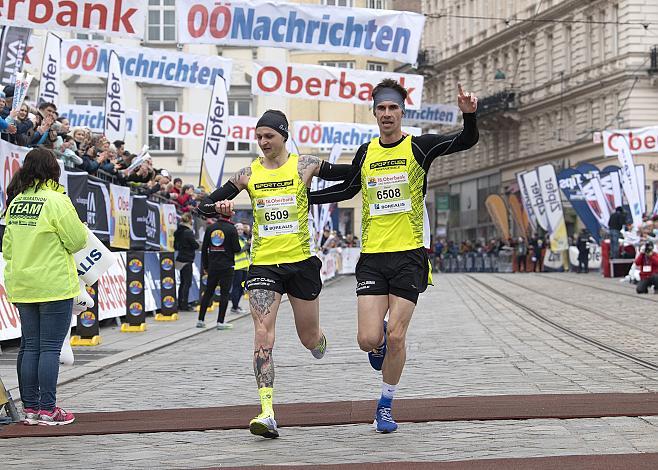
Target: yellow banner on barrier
{"points": [[119, 216]]}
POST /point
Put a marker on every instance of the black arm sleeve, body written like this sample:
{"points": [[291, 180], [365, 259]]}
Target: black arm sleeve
{"points": [[349, 188], [333, 172], [228, 191], [428, 147]]}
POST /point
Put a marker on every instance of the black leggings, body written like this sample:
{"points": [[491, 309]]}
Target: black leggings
{"points": [[223, 278], [644, 284]]}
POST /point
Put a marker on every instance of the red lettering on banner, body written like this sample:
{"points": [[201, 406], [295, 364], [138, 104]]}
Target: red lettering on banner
{"points": [[32, 11], [270, 79], [89, 9], [167, 120], [191, 21], [198, 129], [224, 11], [72, 14], [9, 312], [645, 144]]}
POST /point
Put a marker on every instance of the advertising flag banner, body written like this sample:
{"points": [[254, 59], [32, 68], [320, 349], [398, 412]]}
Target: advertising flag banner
{"points": [[629, 182], [520, 216], [531, 183], [120, 216], [98, 209], [115, 102], [13, 47], [318, 82], [553, 205], [193, 126], [498, 213], [641, 184], [168, 224], [317, 134], [214, 141], [146, 64], [138, 222], [76, 188], [388, 34], [525, 200], [121, 18], [152, 225], [570, 181], [611, 185], [437, 114], [596, 201], [93, 117], [50, 85]]}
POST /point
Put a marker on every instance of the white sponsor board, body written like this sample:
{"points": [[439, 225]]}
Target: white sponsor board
{"points": [[644, 140], [145, 64], [594, 256], [531, 182], [525, 200], [50, 86], [349, 136], [93, 117], [550, 191], [122, 18], [193, 126], [317, 82], [362, 31], [440, 114]]}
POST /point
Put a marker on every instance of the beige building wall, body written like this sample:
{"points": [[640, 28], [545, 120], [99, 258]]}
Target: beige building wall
{"points": [[565, 78]]}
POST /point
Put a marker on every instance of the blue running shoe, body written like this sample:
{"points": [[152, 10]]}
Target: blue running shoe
{"points": [[376, 356], [384, 422]]}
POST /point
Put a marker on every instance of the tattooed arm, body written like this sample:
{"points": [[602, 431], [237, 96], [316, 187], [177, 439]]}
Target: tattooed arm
{"points": [[310, 166], [219, 200]]}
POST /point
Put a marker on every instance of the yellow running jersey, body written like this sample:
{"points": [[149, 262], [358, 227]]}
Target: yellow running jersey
{"points": [[393, 200], [279, 199]]}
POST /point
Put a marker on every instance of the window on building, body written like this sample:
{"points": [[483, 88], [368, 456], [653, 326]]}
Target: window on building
{"points": [[568, 35], [161, 21], [531, 63], [239, 107], [376, 4], [588, 41], [338, 3], [376, 66], [90, 37], [96, 101], [601, 33], [156, 143], [341, 64], [549, 55]]}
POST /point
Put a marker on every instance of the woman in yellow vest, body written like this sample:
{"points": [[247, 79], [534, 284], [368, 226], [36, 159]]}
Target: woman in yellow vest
{"points": [[391, 173], [43, 231], [282, 251], [242, 263]]}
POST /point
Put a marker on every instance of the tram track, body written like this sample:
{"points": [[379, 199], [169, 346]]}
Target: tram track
{"points": [[565, 329], [592, 286]]}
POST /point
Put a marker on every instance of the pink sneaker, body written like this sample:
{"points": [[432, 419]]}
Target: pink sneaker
{"points": [[31, 416], [56, 417]]}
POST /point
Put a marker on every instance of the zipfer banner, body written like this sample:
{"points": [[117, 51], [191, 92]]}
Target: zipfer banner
{"points": [[361, 31], [318, 82], [122, 18], [145, 64]]}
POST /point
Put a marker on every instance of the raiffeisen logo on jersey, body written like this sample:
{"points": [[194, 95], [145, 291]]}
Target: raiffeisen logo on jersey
{"points": [[388, 163], [274, 184]]}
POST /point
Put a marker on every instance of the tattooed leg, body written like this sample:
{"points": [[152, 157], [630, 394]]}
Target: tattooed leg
{"points": [[264, 367], [263, 303]]}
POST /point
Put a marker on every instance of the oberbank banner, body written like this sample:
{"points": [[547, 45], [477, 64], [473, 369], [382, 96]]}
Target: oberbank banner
{"points": [[348, 135], [193, 126], [123, 18], [317, 82], [145, 64], [361, 31]]}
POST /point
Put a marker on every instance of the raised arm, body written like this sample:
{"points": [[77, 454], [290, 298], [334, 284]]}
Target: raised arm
{"points": [[237, 182]]}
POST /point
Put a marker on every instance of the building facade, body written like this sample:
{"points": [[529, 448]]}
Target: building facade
{"points": [[549, 75], [182, 157]]}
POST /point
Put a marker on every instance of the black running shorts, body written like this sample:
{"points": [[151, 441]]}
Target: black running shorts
{"points": [[401, 273], [300, 279]]}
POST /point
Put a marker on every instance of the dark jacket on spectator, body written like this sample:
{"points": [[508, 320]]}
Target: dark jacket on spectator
{"points": [[616, 221], [88, 164], [185, 244], [220, 244]]}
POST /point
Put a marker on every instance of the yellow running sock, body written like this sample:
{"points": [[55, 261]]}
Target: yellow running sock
{"points": [[266, 394]]}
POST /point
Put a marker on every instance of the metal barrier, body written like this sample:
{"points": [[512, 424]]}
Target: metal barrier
{"points": [[472, 263]]}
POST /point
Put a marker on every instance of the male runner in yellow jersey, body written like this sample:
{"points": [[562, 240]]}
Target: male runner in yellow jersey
{"points": [[391, 173], [282, 250]]}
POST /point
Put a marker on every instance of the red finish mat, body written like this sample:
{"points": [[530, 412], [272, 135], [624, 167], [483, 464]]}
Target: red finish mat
{"points": [[499, 407], [564, 462]]}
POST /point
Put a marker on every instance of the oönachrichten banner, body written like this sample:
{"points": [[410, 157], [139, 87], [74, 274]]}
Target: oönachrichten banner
{"points": [[123, 18], [317, 82], [361, 31], [93, 117], [145, 64], [318, 134]]}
